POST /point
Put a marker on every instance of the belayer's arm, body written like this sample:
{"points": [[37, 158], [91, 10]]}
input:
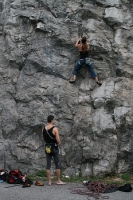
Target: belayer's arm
{"points": [[42, 134], [57, 137]]}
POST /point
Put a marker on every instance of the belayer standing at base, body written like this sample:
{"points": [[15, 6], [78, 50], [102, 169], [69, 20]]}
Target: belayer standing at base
{"points": [[52, 140], [83, 47]]}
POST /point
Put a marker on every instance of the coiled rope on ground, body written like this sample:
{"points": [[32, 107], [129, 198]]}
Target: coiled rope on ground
{"points": [[95, 190]]}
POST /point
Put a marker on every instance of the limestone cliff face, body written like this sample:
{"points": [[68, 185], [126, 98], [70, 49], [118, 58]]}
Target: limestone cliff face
{"points": [[37, 56]]}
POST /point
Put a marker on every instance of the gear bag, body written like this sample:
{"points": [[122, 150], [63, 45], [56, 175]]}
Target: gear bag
{"points": [[87, 61], [125, 188], [3, 174], [15, 177]]}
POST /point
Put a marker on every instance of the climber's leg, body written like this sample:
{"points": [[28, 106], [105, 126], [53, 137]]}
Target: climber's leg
{"points": [[93, 73], [76, 69]]}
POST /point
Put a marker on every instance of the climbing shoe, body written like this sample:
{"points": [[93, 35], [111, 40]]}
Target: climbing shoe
{"points": [[98, 83], [26, 185], [38, 183], [72, 81]]}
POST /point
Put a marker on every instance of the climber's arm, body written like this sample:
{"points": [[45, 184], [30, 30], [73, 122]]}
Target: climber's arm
{"points": [[88, 46], [78, 43]]}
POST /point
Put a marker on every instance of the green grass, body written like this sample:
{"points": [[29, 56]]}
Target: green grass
{"points": [[119, 180], [72, 179], [41, 173], [125, 177]]}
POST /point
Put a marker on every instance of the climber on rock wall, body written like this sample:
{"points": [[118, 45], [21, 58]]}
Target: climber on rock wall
{"points": [[84, 47]]}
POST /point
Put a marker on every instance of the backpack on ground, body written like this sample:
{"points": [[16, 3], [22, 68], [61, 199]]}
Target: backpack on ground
{"points": [[3, 174], [15, 177], [125, 188]]}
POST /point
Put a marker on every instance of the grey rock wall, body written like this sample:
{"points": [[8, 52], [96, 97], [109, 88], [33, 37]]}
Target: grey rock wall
{"points": [[37, 56]]}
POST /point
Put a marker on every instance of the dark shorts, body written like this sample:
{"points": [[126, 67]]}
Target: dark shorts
{"points": [[55, 156]]}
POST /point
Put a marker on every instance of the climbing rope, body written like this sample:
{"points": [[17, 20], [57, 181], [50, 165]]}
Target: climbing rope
{"points": [[99, 187], [95, 189], [95, 195]]}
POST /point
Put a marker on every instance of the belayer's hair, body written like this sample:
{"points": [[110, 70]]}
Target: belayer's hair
{"points": [[84, 44], [50, 118]]}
